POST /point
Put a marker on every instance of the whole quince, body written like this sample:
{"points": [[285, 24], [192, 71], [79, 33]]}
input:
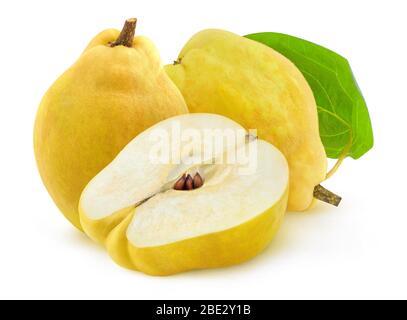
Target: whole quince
{"points": [[221, 72], [115, 90]]}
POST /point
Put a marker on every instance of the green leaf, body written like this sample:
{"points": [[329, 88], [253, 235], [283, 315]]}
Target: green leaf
{"points": [[344, 121]]}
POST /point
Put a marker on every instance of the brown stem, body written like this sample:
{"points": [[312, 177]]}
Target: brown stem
{"points": [[327, 196], [126, 36]]}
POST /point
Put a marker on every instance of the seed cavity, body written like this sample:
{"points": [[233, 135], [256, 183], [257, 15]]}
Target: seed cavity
{"points": [[187, 183]]}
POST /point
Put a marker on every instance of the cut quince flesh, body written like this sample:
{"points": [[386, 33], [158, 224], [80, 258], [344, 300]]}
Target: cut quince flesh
{"points": [[165, 218]]}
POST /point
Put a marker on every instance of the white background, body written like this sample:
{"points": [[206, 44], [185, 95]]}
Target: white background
{"points": [[355, 251]]}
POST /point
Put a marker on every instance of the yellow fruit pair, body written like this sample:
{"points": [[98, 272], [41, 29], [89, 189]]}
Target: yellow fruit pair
{"points": [[117, 90]]}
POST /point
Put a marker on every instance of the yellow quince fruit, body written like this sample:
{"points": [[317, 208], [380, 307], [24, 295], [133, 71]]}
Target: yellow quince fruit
{"points": [[113, 92], [221, 72]]}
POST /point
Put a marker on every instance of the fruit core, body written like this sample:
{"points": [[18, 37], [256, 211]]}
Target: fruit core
{"points": [[187, 182]]}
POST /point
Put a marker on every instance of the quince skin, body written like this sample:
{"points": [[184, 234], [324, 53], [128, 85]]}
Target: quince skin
{"points": [[220, 72]]}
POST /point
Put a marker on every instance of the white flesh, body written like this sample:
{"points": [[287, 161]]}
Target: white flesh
{"points": [[226, 199]]}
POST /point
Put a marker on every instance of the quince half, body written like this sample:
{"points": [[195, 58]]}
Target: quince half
{"points": [[211, 209]]}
